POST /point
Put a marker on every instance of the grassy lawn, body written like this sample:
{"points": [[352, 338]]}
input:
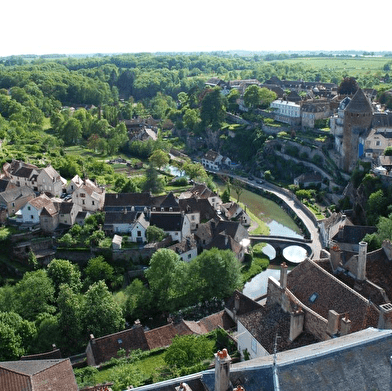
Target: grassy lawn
{"points": [[146, 366], [259, 263]]}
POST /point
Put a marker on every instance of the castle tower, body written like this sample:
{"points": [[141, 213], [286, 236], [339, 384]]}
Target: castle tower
{"points": [[357, 121]]}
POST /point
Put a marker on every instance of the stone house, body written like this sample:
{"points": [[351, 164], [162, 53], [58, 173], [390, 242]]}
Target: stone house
{"points": [[175, 224], [186, 249], [37, 375], [214, 160], [287, 112], [75, 183], [89, 196], [14, 199], [104, 348], [68, 212], [50, 181], [304, 307], [308, 179], [31, 211], [314, 110], [132, 224], [201, 191], [198, 210], [232, 211]]}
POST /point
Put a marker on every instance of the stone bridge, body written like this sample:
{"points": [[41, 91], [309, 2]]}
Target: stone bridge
{"points": [[279, 243]]}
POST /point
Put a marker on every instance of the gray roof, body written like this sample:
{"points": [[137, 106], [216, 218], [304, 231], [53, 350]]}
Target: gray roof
{"points": [[30, 367]]}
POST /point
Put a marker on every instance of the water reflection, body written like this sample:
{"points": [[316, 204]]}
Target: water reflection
{"points": [[295, 254], [257, 286]]}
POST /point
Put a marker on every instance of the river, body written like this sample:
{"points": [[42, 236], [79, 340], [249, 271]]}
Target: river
{"points": [[295, 254]]}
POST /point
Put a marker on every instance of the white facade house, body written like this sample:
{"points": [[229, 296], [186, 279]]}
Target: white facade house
{"points": [[30, 213], [89, 196], [50, 181], [286, 111]]}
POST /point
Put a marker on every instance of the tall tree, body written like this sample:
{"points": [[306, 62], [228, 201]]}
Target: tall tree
{"points": [[213, 111], [102, 315]]}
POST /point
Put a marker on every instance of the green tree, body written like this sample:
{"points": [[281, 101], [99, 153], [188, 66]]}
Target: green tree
{"points": [[152, 182], [252, 96], [138, 301], [213, 111], [16, 335], [238, 188], [101, 314], [98, 269], [70, 318], [191, 119], [189, 350], [62, 271], [154, 234], [161, 277], [218, 273], [35, 294], [194, 170], [159, 158], [71, 131]]}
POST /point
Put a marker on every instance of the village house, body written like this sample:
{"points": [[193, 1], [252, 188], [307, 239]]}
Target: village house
{"points": [[186, 249], [223, 235], [198, 210], [308, 179], [201, 191], [31, 211], [286, 111], [175, 224], [304, 307], [75, 183], [37, 375], [132, 224], [233, 212], [89, 196], [46, 179], [104, 348], [313, 111], [215, 161], [15, 198]]}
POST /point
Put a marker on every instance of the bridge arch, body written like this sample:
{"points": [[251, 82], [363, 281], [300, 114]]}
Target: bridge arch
{"points": [[279, 243]]}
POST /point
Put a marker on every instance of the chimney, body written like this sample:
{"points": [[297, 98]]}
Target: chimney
{"points": [[387, 247], [296, 323], [385, 318], [283, 275], [345, 325], [333, 323], [222, 370], [341, 232], [361, 265]]}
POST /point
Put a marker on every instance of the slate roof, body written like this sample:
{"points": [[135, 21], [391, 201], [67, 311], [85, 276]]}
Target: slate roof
{"points": [[359, 103], [198, 205], [118, 201], [354, 233], [16, 193], [168, 221], [267, 322], [246, 304], [120, 217], [358, 361], [211, 155], [4, 184], [308, 278]]}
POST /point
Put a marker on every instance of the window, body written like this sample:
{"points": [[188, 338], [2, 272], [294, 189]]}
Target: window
{"points": [[313, 298], [139, 233], [13, 204], [83, 202], [254, 345], [32, 217], [92, 202], [28, 208], [83, 195]]}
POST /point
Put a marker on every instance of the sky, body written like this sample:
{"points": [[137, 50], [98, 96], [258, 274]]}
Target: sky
{"points": [[131, 26]]}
